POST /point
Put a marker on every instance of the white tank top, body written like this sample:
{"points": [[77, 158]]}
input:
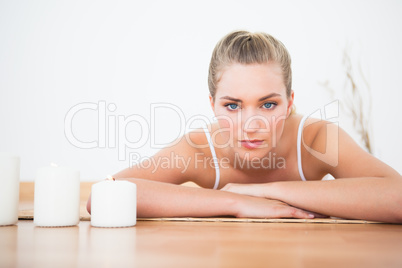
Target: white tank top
{"points": [[298, 147], [216, 163]]}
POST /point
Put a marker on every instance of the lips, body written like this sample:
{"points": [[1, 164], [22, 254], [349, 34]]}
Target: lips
{"points": [[251, 144]]}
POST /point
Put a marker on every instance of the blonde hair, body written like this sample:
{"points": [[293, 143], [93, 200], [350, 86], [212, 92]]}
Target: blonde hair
{"points": [[248, 48]]}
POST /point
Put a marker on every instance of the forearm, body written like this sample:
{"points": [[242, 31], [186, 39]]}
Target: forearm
{"points": [[158, 199], [377, 199]]}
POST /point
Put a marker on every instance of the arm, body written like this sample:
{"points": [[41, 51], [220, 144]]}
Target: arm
{"points": [[372, 190], [158, 194], [158, 199], [376, 199]]}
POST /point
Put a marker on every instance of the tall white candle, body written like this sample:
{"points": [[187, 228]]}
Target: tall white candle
{"points": [[9, 188], [57, 197], [114, 204]]}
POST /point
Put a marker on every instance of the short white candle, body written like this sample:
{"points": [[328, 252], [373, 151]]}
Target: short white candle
{"points": [[9, 188], [114, 204], [57, 197]]}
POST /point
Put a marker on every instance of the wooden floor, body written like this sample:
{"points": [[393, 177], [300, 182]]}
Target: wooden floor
{"points": [[202, 244]]}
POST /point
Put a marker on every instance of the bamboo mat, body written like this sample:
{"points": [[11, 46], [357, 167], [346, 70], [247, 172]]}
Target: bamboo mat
{"points": [[84, 216]]}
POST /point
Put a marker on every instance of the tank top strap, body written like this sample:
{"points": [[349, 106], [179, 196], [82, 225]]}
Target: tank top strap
{"points": [[299, 140], [216, 164]]}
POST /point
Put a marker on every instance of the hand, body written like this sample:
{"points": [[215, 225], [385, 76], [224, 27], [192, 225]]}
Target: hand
{"points": [[276, 206], [257, 207]]}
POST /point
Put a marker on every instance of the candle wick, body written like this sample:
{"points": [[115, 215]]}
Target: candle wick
{"points": [[110, 178]]}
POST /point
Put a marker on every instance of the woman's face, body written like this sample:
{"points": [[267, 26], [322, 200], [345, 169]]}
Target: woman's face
{"points": [[251, 107]]}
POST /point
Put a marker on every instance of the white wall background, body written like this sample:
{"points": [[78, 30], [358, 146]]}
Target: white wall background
{"points": [[55, 55]]}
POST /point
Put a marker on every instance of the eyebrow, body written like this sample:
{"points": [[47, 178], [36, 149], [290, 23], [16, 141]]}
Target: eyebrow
{"points": [[260, 99]]}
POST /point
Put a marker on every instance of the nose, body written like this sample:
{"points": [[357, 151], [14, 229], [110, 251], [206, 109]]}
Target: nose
{"points": [[253, 122]]}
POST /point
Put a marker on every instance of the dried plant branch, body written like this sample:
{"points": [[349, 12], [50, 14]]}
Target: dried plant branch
{"points": [[361, 120], [353, 103]]}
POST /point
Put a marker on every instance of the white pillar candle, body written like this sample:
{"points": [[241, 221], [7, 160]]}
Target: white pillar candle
{"points": [[57, 197], [114, 204], [9, 188]]}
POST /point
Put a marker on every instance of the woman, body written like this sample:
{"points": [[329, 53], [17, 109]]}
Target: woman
{"points": [[261, 159]]}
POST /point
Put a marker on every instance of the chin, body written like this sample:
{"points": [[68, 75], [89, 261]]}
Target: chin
{"points": [[251, 155], [257, 159]]}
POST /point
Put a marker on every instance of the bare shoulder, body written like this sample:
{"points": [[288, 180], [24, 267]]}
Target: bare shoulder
{"points": [[178, 162], [202, 166], [191, 155], [329, 149]]}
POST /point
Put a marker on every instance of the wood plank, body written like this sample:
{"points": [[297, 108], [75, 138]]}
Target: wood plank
{"points": [[202, 244]]}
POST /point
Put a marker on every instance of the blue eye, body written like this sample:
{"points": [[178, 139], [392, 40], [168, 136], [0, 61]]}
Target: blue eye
{"points": [[268, 105], [232, 106]]}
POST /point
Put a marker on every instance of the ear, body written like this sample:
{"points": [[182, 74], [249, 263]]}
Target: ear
{"points": [[290, 104], [211, 100]]}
